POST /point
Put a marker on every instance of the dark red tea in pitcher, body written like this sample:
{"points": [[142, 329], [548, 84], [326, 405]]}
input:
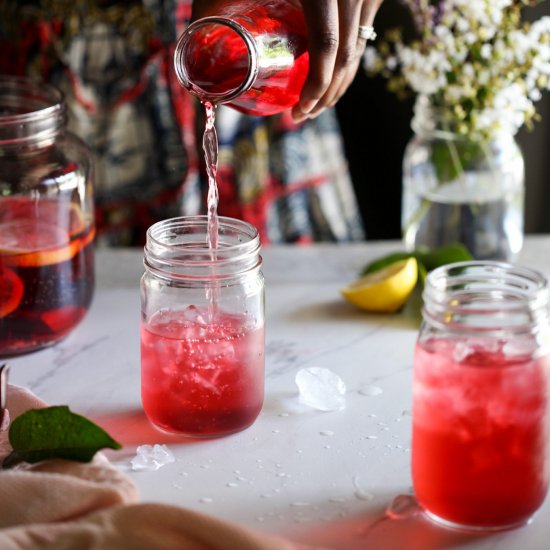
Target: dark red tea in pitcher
{"points": [[46, 218], [46, 272]]}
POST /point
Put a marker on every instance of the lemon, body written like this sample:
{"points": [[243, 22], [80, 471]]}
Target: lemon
{"points": [[385, 290]]}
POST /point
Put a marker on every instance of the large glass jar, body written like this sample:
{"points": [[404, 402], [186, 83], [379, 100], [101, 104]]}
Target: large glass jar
{"points": [[46, 219], [202, 327], [251, 55], [481, 396], [457, 189]]}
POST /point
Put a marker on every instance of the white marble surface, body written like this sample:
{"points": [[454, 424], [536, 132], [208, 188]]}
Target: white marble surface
{"points": [[321, 477]]}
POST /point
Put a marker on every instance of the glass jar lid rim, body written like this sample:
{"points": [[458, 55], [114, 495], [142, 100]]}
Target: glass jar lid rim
{"points": [[48, 99], [513, 284]]}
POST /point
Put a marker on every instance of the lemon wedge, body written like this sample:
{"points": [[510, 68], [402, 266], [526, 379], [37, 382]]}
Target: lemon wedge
{"points": [[385, 290]]}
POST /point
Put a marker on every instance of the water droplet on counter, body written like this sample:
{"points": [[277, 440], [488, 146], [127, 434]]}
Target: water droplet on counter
{"points": [[206, 500], [372, 437], [299, 504], [361, 494], [231, 484], [283, 414], [326, 432], [370, 390], [403, 506]]}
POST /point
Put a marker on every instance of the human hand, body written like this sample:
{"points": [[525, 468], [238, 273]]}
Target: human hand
{"points": [[335, 50]]}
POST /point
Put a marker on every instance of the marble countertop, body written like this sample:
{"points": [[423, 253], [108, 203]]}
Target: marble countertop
{"points": [[320, 477]]}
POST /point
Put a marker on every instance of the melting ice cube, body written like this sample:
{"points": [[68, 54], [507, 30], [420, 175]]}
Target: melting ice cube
{"points": [[149, 457], [321, 389]]}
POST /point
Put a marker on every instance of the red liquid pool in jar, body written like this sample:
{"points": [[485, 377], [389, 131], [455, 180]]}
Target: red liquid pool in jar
{"points": [[202, 376], [480, 432]]}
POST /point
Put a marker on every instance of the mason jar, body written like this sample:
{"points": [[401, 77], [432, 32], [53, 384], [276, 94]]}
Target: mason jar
{"points": [[46, 219], [481, 411], [202, 327], [250, 55]]}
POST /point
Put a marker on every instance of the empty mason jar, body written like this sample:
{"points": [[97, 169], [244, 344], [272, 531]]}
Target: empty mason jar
{"points": [[202, 327], [481, 411], [250, 55], [46, 219]]}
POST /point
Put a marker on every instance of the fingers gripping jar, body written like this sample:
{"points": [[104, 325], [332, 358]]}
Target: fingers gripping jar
{"points": [[202, 327], [481, 411], [46, 219]]}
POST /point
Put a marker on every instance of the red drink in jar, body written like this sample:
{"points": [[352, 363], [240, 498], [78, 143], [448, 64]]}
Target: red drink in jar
{"points": [[202, 327], [201, 377], [249, 54], [479, 433], [481, 396], [46, 271]]}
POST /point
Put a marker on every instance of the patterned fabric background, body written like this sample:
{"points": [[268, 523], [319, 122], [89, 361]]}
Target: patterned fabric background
{"points": [[114, 62]]}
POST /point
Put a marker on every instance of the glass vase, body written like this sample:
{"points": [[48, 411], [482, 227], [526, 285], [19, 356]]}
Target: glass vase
{"points": [[458, 189]]}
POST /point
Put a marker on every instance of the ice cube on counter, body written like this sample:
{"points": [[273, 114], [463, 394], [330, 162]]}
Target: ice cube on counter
{"points": [[321, 389], [152, 457]]}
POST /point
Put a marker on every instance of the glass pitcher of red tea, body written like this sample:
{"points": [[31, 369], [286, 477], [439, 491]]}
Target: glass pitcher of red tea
{"points": [[46, 219], [249, 54]]}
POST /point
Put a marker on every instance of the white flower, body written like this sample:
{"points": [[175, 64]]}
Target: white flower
{"points": [[485, 51], [480, 65]]}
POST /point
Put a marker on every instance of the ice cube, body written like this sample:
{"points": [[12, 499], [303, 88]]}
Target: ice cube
{"points": [[321, 389], [195, 315], [149, 457]]}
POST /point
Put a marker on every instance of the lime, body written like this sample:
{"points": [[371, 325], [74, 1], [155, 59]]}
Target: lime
{"points": [[384, 290]]}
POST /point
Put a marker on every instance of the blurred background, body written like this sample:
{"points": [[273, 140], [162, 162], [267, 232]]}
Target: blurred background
{"points": [[376, 128]]}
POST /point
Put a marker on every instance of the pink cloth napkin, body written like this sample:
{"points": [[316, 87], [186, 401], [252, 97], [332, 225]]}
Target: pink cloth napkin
{"points": [[60, 504]]}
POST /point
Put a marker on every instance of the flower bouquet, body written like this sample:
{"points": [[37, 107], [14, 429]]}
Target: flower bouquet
{"points": [[477, 69]]}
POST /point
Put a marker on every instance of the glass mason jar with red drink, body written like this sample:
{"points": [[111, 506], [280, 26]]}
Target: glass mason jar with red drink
{"points": [[249, 54], [46, 219], [481, 396], [202, 327]]}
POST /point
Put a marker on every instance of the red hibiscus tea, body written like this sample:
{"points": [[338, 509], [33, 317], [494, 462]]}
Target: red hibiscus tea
{"points": [[46, 271], [201, 375], [479, 434]]}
